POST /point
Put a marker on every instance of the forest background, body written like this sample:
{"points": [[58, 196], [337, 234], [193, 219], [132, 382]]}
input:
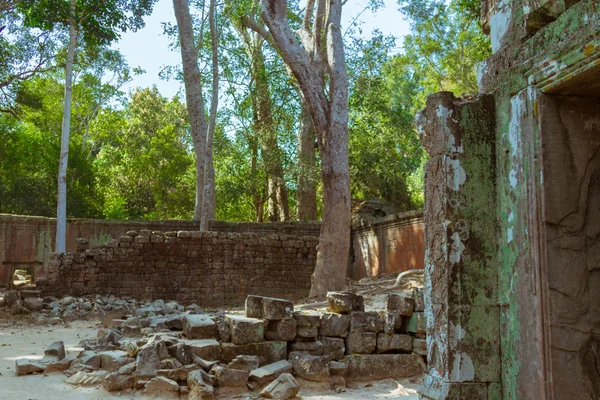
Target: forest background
{"points": [[131, 154]]}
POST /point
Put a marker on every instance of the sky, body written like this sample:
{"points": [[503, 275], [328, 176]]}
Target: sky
{"points": [[149, 47]]}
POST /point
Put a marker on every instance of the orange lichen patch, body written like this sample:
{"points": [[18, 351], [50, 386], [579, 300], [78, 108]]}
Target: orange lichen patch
{"points": [[589, 49]]}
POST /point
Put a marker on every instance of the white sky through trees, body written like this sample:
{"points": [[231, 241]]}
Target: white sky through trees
{"points": [[149, 48]]}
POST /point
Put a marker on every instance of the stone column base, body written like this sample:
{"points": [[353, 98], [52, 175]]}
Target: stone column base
{"points": [[437, 389]]}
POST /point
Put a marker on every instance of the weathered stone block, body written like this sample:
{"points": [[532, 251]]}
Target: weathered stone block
{"points": [[361, 342], [419, 346], [400, 304], [207, 349], [244, 362], [267, 373], [267, 352], [309, 367], [283, 329], [334, 325], [374, 367], [285, 387], [161, 387], [246, 330], [199, 388], [199, 326], [344, 302], [394, 343], [366, 322], [228, 377], [276, 308], [307, 319], [418, 297], [311, 347], [417, 323], [392, 322], [333, 347]]}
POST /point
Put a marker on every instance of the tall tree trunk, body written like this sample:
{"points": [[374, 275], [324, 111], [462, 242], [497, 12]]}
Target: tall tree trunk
{"points": [[277, 203], [307, 183], [322, 52], [209, 181], [61, 212], [194, 100]]}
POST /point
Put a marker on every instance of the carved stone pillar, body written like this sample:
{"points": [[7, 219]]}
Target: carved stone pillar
{"points": [[461, 273]]}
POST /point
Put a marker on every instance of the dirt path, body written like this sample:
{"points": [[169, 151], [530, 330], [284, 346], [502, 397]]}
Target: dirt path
{"points": [[30, 342]]}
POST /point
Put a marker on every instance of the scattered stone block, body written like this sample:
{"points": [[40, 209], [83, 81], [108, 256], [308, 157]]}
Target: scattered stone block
{"points": [[177, 374], [148, 361], [267, 373], [268, 308], [394, 343], [114, 314], [419, 346], [314, 348], [25, 366], [223, 327], [400, 304], [199, 389], [162, 388], [267, 352], [336, 325], [33, 303], [227, 377], [361, 342], [56, 350], [276, 308], [182, 352], [111, 361], [254, 306], [344, 302], [60, 365], [11, 297], [116, 382], [246, 330], [309, 367], [369, 367], [244, 362], [207, 349], [333, 347], [366, 322], [82, 378], [199, 326], [283, 329], [285, 387]]}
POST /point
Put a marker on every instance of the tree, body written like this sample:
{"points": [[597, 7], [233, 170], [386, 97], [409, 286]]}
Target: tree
{"points": [[144, 167], [319, 67], [202, 131], [445, 44], [99, 23]]}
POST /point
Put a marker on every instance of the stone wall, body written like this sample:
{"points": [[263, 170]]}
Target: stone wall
{"points": [[26, 242], [379, 246], [392, 244], [207, 268]]}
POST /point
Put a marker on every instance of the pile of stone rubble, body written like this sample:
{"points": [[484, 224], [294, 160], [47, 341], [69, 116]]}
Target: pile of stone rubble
{"points": [[168, 351]]}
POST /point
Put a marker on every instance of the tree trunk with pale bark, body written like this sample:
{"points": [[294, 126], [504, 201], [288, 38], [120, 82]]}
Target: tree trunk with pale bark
{"points": [[61, 209], [307, 179], [208, 208], [318, 65]]}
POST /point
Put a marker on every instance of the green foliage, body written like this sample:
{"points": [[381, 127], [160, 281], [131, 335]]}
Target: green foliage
{"points": [[100, 22], [445, 44], [385, 152]]}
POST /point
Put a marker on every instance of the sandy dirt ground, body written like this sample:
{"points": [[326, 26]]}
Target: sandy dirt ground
{"points": [[30, 342]]}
